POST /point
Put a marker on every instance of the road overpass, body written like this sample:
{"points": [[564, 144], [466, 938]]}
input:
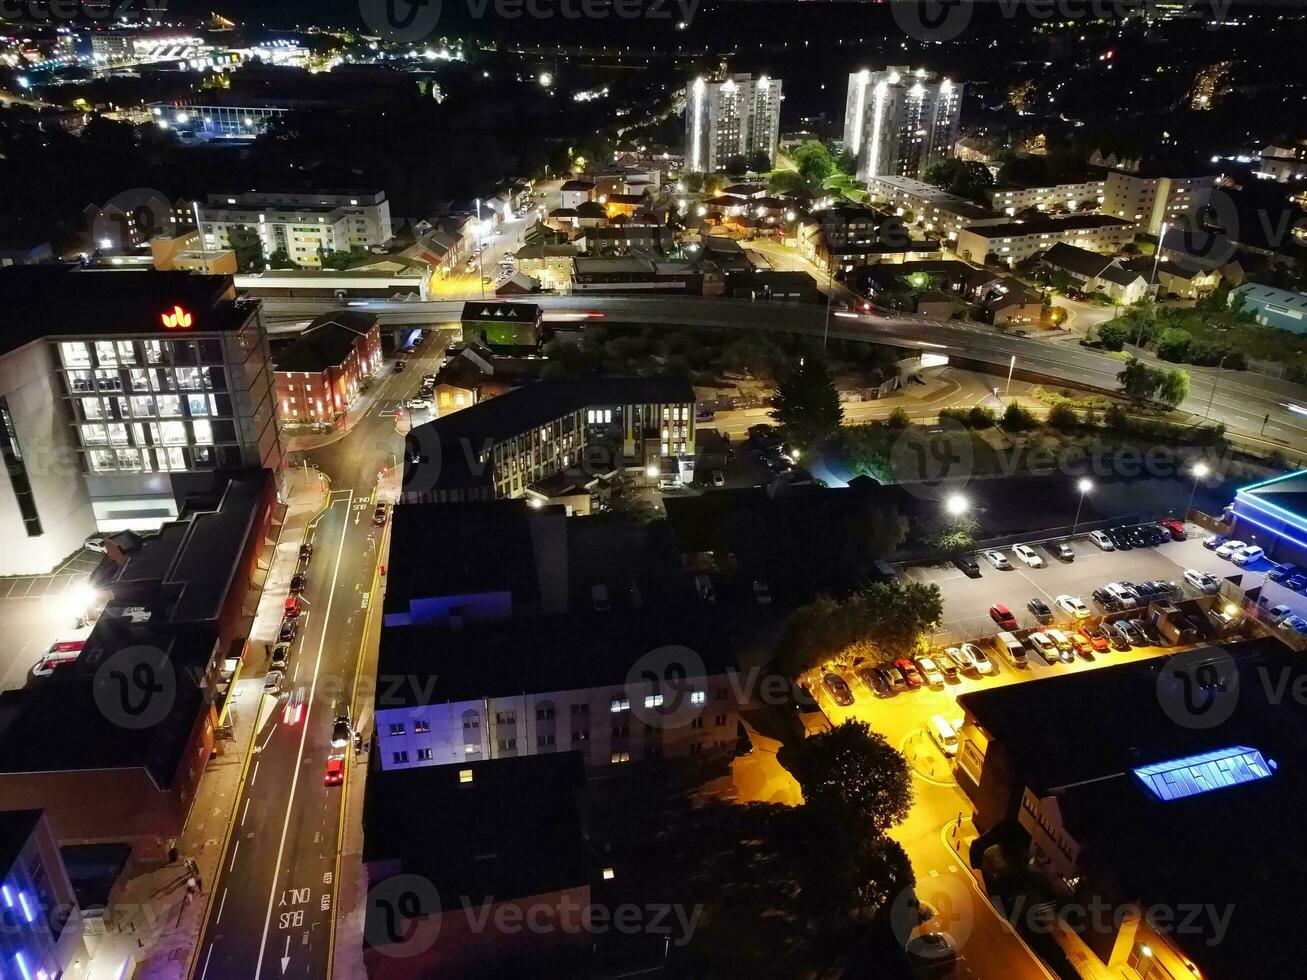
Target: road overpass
{"points": [[1251, 405]]}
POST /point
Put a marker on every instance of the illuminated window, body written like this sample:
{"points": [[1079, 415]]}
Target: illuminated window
{"points": [[203, 432], [465, 775], [653, 700], [75, 354], [620, 704]]}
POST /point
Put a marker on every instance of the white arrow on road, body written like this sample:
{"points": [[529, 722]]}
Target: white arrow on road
{"points": [[285, 959]]}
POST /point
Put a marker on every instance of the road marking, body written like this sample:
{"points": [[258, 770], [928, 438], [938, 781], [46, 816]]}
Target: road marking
{"points": [[234, 851], [246, 811], [221, 905], [205, 971], [299, 760], [255, 774], [271, 732]]}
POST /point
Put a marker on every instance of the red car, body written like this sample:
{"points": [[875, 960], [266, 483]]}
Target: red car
{"points": [[292, 606], [1096, 637], [1002, 615], [335, 771], [1178, 533], [911, 675], [1080, 645]]}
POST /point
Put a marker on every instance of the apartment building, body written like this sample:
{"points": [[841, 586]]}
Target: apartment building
{"points": [[1151, 200], [733, 117], [938, 213], [550, 264], [500, 446], [899, 121], [1081, 195], [42, 934], [1017, 241], [319, 375], [110, 380], [554, 684], [303, 226]]}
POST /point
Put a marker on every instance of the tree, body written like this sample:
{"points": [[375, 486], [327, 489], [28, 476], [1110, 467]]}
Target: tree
{"points": [[897, 615], [814, 162], [808, 408], [1063, 418], [855, 777], [965, 178], [1138, 381], [1174, 387], [247, 245], [788, 182], [693, 182], [280, 259], [1113, 335], [759, 162], [1173, 344], [737, 165], [846, 162]]}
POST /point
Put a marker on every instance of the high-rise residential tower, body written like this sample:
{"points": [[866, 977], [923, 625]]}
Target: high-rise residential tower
{"points": [[737, 116], [899, 121]]}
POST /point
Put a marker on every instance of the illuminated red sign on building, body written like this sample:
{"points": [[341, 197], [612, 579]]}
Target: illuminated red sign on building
{"points": [[178, 319]]}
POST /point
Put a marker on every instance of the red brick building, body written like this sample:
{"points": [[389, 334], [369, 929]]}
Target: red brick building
{"points": [[318, 376]]}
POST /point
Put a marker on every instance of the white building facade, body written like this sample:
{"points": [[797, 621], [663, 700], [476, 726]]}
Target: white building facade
{"points": [[737, 116], [304, 226], [899, 122]]}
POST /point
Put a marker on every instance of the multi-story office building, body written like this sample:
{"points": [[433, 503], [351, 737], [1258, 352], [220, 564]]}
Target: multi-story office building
{"points": [[1018, 240], [230, 122], [545, 685], [1077, 195], [899, 122], [1151, 200], [304, 226], [110, 381], [734, 117], [938, 213], [500, 446]]}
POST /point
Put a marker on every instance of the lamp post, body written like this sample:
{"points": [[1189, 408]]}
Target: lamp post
{"points": [[1084, 485], [1011, 366], [1152, 282], [1212, 397], [955, 505], [480, 275], [1200, 471]]}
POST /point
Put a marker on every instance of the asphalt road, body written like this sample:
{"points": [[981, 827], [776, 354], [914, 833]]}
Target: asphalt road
{"points": [[1252, 405], [272, 910]]}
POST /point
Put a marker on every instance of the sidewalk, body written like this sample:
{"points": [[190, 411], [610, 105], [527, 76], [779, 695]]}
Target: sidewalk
{"points": [[154, 922]]}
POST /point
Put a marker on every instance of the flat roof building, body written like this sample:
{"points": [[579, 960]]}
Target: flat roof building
{"points": [[1016, 241], [319, 375]]}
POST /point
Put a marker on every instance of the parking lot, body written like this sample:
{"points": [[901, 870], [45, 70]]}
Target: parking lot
{"points": [[36, 610], [967, 600]]}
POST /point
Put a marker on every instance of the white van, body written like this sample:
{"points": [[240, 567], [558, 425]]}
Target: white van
{"points": [[1010, 647], [943, 735]]}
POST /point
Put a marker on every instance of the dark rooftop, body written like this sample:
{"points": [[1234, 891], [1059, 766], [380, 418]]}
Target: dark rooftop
{"points": [[1237, 847], [59, 300], [1288, 493], [512, 831], [498, 312], [552, 653], [326, 342], [1041, 226]]}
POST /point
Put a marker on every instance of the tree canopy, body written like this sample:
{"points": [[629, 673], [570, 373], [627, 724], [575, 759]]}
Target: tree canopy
{"points": [[807, 406], [854, 776]]}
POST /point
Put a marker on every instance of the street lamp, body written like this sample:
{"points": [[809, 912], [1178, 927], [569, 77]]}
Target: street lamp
{"points": [[1011, 366], [1084, 485], [1200, 472], [956, 505]]}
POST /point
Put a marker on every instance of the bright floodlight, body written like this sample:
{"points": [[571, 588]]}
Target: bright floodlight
{"points": [[955, 504], [1085, 485], [651, 471], [1201, 469]]}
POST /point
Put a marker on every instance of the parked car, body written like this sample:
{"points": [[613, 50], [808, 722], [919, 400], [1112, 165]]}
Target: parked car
{"points": [[1080, 646], [1096, 636], [1297, 584], [1065, 648], [978, 659], [297, 583], [761, 594], [930, 671], [291, 607], [1295, 623], [280, 656], [306, 553], [1102, 540], [838, 689], [874, 679], [1215, 541], [1134, 631], [718, 478], [911, 676], [1119, 538], [95, 543], [703, 586], [335, 774], [1040, 609], [379, 513], [1027, 554], [1282, 573], [341, 730], [1002, 615], [1276, 613], [968, 565], [1042, 645], [998, 560], [289, 627], [1176, 529], [1248, 556], [950, 662], [898, 680], [1073, 606], [1229, 548], [272, 682], [1105, 599], [933, 950], [1060, 550], [1119, 635], [1202, 581], [417, 403]]}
